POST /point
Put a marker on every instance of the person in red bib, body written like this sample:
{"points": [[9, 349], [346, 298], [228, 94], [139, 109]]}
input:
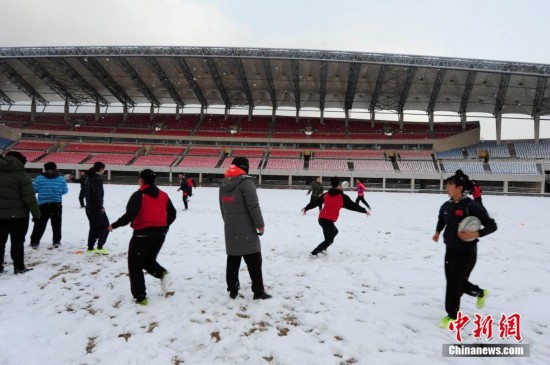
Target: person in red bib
{"points": [[476, 193], [332, 202], [150, 212]]}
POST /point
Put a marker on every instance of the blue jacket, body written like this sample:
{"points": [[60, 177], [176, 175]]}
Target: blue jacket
{"points": [[50, 187]]}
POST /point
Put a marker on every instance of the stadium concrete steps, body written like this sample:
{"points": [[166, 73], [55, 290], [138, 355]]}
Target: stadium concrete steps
{"points": [[512, 149], [395, 166]]}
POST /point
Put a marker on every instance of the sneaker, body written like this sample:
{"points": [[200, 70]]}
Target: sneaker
{"points": [[445, 322], [264, 295], [34, 245], [21, 271], [314, 252], [142, 301], [480, 304], [56, 244], [101, 251], [90, 251], [233, 293]]}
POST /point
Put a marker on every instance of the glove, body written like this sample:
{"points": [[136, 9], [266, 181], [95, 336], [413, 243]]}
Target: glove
{"points": [[260, 231]]}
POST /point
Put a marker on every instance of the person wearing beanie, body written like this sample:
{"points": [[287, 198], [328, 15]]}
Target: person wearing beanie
{"points": [[243, 224], [150, 212], [332, 201], [50, 187], [95, 211], [460, 246], [17, 202]]}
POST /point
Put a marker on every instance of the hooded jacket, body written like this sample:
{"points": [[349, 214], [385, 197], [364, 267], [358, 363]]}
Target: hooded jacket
{"points": [[149, 210], [452, 213], [241, 213], [332, 202], [94, 190], [50, 187], [17, 196]]}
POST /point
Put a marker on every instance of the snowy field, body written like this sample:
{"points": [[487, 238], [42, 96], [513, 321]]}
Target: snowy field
{"points": [[376, 298]]}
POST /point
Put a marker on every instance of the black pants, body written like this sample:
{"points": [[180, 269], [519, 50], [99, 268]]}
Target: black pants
{"points": [[458, 266], [313, 199], [185, 201], [48, 211], [329, 231], [81, 198], [142, 255], [361, 198], [478, 200], [98, 227], [254, 264], [17, 230]]}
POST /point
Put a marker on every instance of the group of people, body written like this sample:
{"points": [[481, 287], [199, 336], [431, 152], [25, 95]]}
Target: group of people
{"points": [[150, 213]]}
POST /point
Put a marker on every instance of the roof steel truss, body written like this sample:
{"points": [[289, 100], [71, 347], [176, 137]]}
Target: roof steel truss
{"points": [[435, 90], [270, 83], [4, 99], [244, 82], [14, 77], [323, 85], [470, 80], [353, 77], [296, 83], [166, 83], [80, 81], [107, 80], [134, 76], [218, 81], [192, 82], [539, 95]]}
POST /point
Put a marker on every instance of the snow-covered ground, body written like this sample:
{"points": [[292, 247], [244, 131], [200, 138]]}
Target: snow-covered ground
{"points": [[376, 298]]}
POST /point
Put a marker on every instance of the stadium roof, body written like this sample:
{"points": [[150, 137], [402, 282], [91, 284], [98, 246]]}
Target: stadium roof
{"points": [[275, 78]]}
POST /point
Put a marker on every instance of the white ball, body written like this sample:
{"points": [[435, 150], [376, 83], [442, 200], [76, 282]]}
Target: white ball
{"points": [[345, 184], [469, 224]]}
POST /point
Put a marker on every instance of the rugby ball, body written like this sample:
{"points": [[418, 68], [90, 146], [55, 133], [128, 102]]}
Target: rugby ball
{"points": [[345, 184], [469, 224]]}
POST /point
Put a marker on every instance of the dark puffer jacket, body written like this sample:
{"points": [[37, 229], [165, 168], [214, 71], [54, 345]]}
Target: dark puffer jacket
{"points": [[17, 195], [241, 213]]}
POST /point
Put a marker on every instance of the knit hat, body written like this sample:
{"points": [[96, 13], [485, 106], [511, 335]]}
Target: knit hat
{"points": [[148, 176], [17, 155], [334, 181], [50, 166], [241, 162]]}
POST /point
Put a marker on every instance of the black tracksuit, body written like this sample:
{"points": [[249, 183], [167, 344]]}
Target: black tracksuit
{"points": [[16, 229], [82, 194], [184, 187], [332, 201], [146, 241], [95, 211], [460, 256]]}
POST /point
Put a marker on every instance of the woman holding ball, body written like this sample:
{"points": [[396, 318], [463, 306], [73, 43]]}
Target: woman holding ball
{"points": [[461, 247]]}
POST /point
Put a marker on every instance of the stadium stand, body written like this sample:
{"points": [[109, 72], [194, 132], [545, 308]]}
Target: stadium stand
{"points": [[154, 160], [328, 165], [454, 154], [513, 168], [133, 131], [31, 156], [528, 149], [254, 162], [284, 164], [285, 153], [198, 151], [118, 159], [427, 167], [5, 142], [494, 150], [467, 167], [248, 152], [415, 155], [373, 166], [101, 147], [199, 162], [166, 150], [350, 154], [65, 157], [32, 145]]}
